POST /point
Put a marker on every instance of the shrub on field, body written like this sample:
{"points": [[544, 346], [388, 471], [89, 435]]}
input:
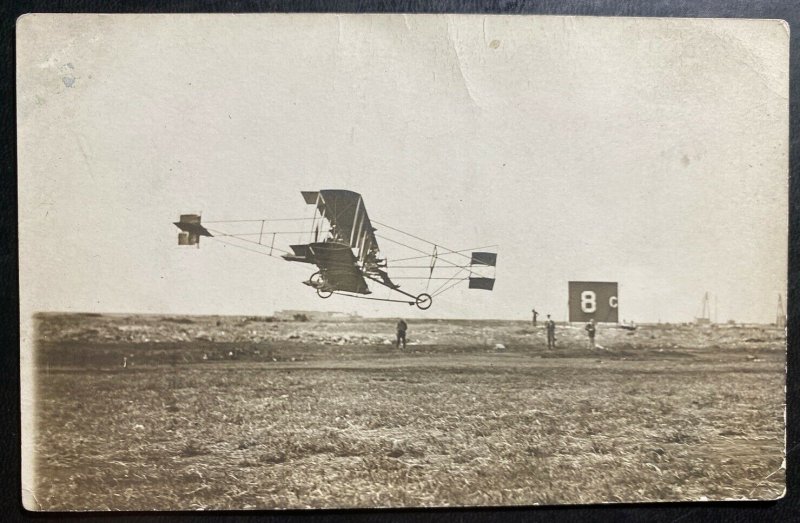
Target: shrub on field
{"points": [[191, 448], [677, 435], [183, 321]]}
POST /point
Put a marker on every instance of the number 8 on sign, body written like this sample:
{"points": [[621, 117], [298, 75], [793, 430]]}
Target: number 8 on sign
{"points": [[588, 302]]}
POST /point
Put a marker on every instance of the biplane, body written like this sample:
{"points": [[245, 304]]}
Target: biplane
{"points": [[343, 248]]}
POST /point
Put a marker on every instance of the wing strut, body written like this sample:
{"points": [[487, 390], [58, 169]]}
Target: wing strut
{"points": [[433, 264]]}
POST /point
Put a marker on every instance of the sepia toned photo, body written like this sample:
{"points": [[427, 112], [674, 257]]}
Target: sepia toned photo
{"points": [[318, 261]]}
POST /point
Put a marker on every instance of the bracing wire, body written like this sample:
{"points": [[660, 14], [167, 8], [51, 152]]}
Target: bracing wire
{"points": [[440, 255], [415, 249], [437, 291], [256, 243], [448, 288], [267, 233], [426, 278], [261, 220], [243, 247], [374, 299], [450, 251], [453, 264], [425, 267]]}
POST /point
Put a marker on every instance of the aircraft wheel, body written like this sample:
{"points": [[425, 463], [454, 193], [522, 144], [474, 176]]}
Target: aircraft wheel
{"points": [[324, 294], [424, 301], [316, 278]]}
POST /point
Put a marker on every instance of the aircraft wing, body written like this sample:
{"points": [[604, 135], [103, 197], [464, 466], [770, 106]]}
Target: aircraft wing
{"points": [[338, 263], [346, 213]]}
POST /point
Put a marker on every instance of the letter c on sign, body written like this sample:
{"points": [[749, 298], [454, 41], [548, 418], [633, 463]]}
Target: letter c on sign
{"points": [[613, 302]]}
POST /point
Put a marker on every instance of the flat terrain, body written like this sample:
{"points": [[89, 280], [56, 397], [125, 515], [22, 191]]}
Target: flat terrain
{"points": [[236, 412]]}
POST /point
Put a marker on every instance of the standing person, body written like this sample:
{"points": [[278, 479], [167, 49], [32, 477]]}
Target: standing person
{"points": [[535, 315], [590, 330], [550, 326], [402, 327]]}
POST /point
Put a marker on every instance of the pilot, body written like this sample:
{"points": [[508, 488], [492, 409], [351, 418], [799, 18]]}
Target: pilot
{"points": [[372, 256], [334, 232], [402, 327]]}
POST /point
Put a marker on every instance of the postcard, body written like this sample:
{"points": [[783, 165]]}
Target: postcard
{"points": [[274, 261]]}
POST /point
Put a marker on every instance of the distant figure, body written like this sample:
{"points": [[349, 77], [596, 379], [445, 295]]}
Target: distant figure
{"points": [[590, 330], [402, 327], [550, 326], [535, 315]]}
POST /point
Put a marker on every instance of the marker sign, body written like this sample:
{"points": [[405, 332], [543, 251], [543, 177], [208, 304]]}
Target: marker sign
{"points": [[595, 300]]}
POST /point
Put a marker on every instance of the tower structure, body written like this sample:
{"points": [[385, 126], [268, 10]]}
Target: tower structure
{"points": [[705, 312]]}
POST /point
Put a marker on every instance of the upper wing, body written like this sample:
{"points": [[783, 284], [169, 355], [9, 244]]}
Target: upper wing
{"points": [[348, 218]]}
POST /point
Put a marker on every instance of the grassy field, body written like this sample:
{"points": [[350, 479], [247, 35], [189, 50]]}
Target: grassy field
{"points": [[232, 413]]}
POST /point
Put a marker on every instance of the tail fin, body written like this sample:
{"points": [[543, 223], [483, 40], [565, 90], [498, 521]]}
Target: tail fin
{"points": [[481, 283], [482, 258]]}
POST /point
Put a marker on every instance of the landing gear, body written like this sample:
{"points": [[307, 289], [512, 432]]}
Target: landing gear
{"points": [[424, 301], [316, 279], [318, 282], [325, 290]]}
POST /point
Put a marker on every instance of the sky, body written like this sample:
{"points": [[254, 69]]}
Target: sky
{"points": [[649, 152]]}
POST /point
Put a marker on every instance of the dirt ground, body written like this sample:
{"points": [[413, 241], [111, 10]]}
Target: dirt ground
{"points": [[148, 412]]}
